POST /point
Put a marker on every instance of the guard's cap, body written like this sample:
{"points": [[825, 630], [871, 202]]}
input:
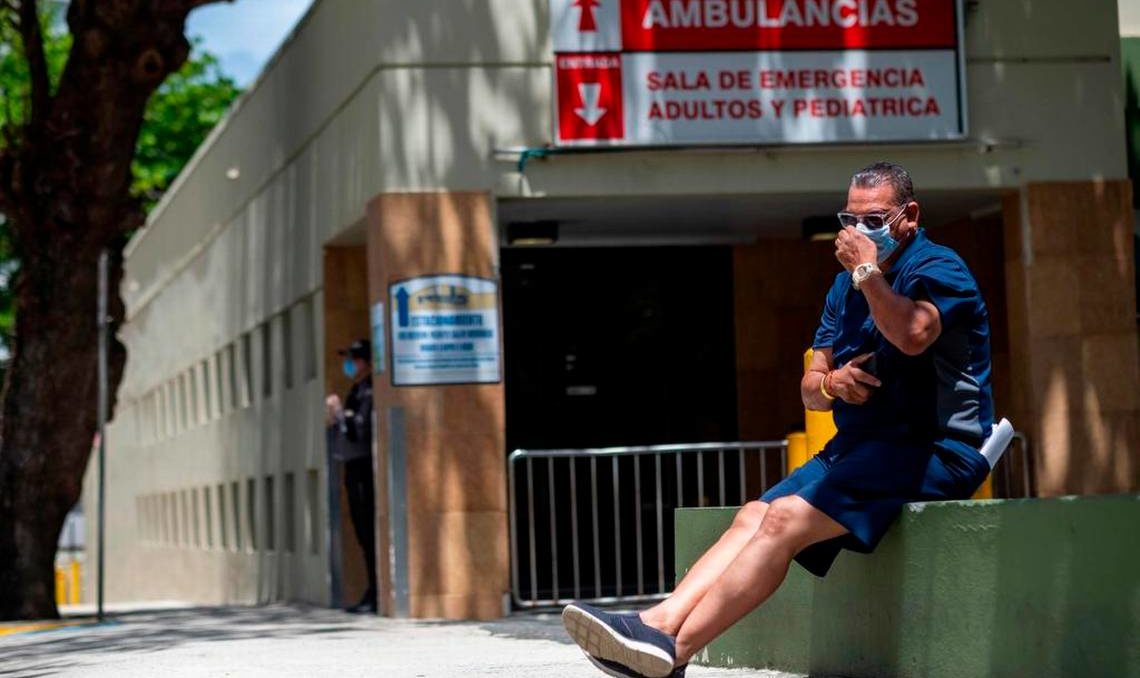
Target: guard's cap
{"points": [[361, 348]]}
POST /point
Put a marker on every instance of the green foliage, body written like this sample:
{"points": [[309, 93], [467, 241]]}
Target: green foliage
{"points": [[178, 118], [15, 86]]}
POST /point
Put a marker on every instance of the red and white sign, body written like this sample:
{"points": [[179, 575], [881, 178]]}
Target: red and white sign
{"points": [[590, 87], [674, 72]]}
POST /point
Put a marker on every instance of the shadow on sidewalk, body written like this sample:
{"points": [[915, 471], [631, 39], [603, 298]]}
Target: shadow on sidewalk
{"points": [[538, 625], [41, 653]]}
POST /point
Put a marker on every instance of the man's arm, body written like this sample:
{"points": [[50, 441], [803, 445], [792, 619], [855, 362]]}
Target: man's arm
{"points": [[912, 326], [849, 383], [358, 421], [334, 410], [809, 386]]}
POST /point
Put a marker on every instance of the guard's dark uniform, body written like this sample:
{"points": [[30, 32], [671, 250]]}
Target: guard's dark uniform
{"points": [[357, 430], [917, 437]]}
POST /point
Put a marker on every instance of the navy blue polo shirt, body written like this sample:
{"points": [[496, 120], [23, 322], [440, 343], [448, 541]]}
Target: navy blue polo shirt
{"points": [[942, 396]]}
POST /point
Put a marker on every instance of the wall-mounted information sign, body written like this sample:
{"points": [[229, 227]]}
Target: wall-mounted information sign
{"points": [[445, 330]]}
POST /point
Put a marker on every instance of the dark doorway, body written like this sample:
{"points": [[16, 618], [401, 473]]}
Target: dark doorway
{"points": [[612, 347], [346, 319], [618, 346]]}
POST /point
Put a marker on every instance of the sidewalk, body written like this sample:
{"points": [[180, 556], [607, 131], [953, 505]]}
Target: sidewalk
{"points": [[304, 641]]}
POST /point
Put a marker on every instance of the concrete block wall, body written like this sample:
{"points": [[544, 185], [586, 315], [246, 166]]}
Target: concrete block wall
{"points": [[977, 588]]}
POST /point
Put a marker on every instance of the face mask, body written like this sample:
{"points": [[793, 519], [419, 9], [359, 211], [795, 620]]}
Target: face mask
{"points": [[885, 244], [349, 368]]}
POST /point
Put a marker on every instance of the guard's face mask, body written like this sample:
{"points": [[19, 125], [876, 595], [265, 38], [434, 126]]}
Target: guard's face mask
{"points": [[349, 368]]}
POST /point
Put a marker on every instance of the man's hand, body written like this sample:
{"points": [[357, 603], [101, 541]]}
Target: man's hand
{"points": [[851, 384], [853, 248], [332, 409]]}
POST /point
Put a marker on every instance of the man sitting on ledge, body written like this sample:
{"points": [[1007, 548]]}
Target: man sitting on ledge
{"points": [[902, 358]]}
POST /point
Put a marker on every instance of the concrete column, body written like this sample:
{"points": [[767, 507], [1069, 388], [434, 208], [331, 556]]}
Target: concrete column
{"points": [[1072, 328], [453, 437]]}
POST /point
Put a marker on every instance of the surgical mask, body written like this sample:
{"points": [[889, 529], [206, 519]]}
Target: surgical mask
{"points": [[881, 236], [349, 368], [884, 243]]}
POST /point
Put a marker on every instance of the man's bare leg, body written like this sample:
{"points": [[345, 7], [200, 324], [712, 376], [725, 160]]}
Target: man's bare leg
{"points": [[669, 614], [790, 525]]}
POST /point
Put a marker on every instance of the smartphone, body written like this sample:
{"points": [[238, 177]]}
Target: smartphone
{"points": [[871, 365]]}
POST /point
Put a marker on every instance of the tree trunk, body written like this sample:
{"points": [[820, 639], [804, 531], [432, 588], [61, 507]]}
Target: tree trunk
{"points": [[49, 420], [65, 190]]}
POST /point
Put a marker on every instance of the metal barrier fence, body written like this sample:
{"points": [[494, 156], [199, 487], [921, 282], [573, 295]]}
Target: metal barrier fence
{"points": [[623, 504], [1013, 475], [616, 504]]}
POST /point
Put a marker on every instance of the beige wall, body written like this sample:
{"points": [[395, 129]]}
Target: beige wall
{"points": [[204, 429], [442, 84], [1129, 18]]}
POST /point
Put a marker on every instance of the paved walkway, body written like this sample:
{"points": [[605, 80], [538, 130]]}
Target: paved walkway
{"points": [[302, 641]]}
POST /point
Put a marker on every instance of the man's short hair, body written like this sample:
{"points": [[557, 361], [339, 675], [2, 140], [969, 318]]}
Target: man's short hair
{"points": [[886, 173]]}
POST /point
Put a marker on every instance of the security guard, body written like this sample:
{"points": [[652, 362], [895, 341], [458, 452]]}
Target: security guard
{"points": [[353, 421]]}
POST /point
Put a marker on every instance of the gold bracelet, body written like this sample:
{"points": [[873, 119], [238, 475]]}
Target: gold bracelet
{"points": [[823, 389]]}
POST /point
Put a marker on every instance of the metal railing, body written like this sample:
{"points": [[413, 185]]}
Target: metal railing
{"points": [[1013, 475], [605, 498], [623, 491]]}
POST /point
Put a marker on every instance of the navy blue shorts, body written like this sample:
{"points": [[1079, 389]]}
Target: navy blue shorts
{"points": [[862, 484]]}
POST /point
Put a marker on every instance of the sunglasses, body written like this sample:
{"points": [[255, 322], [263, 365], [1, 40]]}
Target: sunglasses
{"points": [[873, 221]]}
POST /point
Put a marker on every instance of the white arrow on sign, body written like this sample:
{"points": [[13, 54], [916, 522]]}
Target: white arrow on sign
{"points": [[589, 111]]}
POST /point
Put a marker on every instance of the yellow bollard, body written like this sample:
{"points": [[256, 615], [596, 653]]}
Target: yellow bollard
{"points": [[73, 589], [60, 586], [819, 426], [797, 451], [986, 491]]}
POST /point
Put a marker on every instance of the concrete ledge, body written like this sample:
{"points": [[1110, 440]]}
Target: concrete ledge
{"points": [[1033, 587]]}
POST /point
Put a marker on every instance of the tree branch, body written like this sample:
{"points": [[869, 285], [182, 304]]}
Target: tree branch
{"points": [[33, 40]]}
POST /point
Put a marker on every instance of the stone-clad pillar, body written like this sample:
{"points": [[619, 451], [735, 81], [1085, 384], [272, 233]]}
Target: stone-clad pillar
{"points": [[453, 436], [1073, 341]]}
